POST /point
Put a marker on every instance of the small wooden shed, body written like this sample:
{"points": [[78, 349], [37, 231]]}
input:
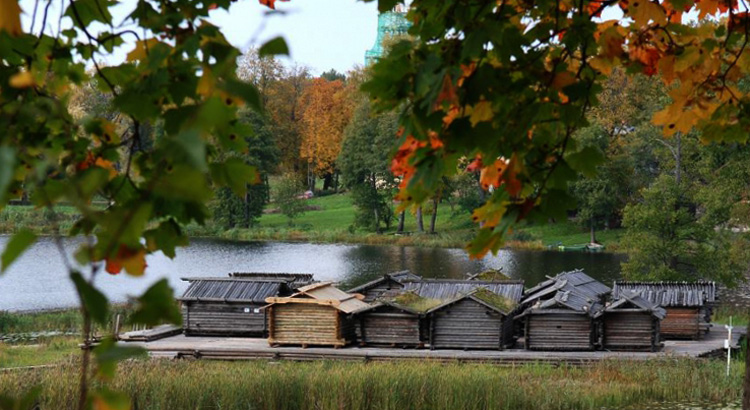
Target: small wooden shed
{"points": [[228, 306], [565, 322], [480, 319], [390, 323], [384, 285], [688, 305], [318, 314], [631, 323]]}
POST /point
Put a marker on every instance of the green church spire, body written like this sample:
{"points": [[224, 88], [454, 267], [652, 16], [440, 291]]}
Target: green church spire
{"points": [[390, 24]]}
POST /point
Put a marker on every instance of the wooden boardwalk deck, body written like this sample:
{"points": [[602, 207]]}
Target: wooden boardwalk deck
{"points": [[232, 348]]}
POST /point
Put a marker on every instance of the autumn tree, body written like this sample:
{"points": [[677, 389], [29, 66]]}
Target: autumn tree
{"points": [[326, 112], [283, 106]]}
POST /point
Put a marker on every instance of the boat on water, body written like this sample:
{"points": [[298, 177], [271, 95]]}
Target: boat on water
{"points": [[583, 247]]}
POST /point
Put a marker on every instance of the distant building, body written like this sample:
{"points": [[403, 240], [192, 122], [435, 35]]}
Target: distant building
{"points": [[391, 23]]}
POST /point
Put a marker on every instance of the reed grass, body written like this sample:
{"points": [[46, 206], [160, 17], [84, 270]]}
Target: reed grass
{"points": [[163, 384]]}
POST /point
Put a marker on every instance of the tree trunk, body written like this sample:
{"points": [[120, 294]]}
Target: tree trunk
{"points": [[336, 182], [328, 181], [678, 160], [401, 218], [246, 219], [435, 203], [420, 222], [593, 230], [746, 384]]}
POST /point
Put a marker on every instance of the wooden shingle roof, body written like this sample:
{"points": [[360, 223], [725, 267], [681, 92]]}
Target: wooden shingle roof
{"points": [[671, 294], [232, 290], [397, 277], [578, 280], [295, 280], [447, 289], [628, 299]]}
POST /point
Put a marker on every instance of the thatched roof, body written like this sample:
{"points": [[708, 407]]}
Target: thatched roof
{"points": [[671, 294], [232, 290]]}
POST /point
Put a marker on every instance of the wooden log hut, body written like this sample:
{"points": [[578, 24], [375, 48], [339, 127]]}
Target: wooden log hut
{"points": [[228, 306], [388, 283], [480, 319], [565, 322], [631, 323], [392, 323], [318, 314], [688, 305]]}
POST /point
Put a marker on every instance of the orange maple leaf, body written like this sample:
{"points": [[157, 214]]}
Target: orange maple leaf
{"points": [[133, 260]]}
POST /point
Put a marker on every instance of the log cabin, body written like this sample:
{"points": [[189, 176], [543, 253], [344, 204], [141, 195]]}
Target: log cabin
{"points": [[228, 306], [480, 319], [318, 314], [565, 322], [688, 305], [392, 323], [631, 323]]}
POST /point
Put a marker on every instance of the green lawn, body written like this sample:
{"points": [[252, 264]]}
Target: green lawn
{"points": [[42, 352], [331, 219]]}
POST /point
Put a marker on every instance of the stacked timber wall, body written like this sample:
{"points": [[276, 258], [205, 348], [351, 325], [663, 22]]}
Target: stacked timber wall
{"points": [[307, 324], [467, 324], [389, 326], [223, 319], [631, 331], [559, 331]]}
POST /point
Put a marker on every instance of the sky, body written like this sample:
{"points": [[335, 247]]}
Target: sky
{"points": [[321, 34]]}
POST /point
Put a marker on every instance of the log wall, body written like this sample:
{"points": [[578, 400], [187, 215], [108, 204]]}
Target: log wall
{"points": [[223, 319], [306, 324], [390, 327], [631, 331], [684, 323], [468, 325], [559, 331]]}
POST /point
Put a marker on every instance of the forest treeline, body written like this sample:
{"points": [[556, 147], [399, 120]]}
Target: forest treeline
{"points": [[684, 205]]}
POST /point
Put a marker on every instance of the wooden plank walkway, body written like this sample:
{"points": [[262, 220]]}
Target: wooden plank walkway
{"points": [[233, 348]]}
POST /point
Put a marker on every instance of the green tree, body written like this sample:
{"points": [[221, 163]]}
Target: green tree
{"points": [[667, 240], [287, 197], [364, 163]]}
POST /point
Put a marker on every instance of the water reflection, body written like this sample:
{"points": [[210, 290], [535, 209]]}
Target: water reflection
{"points": [[38, 279]]}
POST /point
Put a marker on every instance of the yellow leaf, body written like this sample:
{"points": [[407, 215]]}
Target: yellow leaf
{"points": [[10, 17], [482, 111], [141, 49], [643, 11], [673, 119], [24, 79], [206, 84]]}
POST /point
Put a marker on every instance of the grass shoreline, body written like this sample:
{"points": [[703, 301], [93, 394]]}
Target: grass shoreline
{"points": [[162, 384]]}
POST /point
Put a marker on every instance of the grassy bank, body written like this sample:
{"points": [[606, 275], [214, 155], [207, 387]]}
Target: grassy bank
{"points": [[160, 384], [330, 220]]}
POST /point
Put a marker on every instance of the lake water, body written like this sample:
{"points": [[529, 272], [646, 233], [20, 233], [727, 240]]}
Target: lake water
{"points": [[38, 280]]}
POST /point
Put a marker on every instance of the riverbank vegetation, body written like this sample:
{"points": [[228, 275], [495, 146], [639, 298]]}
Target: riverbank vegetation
{"points": [[183, 384]]}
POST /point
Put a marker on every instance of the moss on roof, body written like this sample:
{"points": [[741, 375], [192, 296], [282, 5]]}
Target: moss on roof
{"points": [[491, 275], [493, 299], [415, 302]]}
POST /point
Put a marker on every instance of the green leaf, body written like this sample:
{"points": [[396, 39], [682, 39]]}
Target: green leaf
{"points": [[7, 167], [235, 174], [156, 306], [585, 161], [246, 91], [94, 301], [183, 183], [108, 353], [275, 46], [166, 238], [83, 12], [17, 244], [387, 5]]}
